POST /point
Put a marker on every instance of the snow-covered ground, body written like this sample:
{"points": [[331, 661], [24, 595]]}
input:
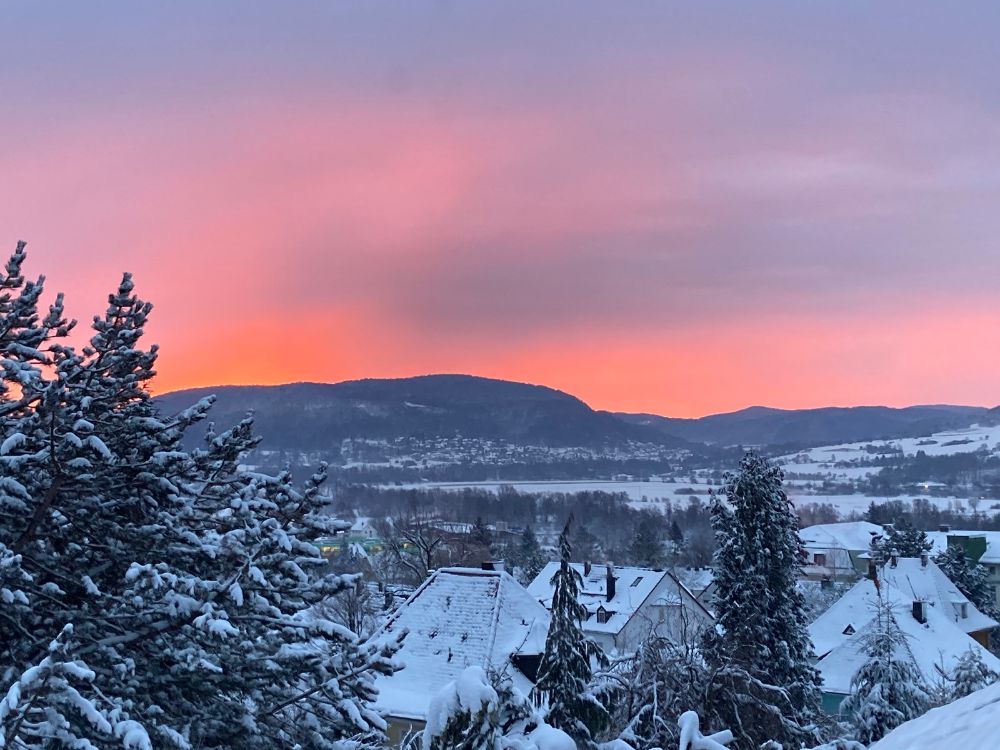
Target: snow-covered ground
{"points": [[821, 460], [636, 490], [653, 493]]}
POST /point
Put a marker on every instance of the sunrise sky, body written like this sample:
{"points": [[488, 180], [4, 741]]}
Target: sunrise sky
{"points": [[678, 208]]}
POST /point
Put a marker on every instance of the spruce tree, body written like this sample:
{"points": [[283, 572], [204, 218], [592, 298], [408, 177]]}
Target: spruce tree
{"points": [[565, 671], [971, 674], [887, 690], [763, 640], [529, 559], [646, 547], [901, 539], [155, 595]]}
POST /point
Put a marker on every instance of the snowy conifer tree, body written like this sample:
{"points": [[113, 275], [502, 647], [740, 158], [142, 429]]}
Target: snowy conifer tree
{"points": [[481, 712], [565, 671], [887, 690], [764, 645], [971, 674], [901, 539], [189, 584], [527, 558]]}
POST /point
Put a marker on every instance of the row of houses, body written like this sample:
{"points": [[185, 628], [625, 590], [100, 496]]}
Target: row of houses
{"points": [[940, 624], [841, 551], [462, 617]]}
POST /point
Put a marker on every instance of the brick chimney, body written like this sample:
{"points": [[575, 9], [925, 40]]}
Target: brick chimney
{"points": [[611, 581]]}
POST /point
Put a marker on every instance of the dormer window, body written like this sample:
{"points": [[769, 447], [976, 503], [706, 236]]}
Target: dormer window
{"points": [[849, 630], [602, 615]]}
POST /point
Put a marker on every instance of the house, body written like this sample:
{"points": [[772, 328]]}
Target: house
{"points": [[939, 623], [838, 551], [699, 581], [625, 606], [970, 722], [457, 618], [982, 547]]}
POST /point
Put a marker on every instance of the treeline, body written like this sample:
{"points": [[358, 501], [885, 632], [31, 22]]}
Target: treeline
{"points": [[607, 527]]}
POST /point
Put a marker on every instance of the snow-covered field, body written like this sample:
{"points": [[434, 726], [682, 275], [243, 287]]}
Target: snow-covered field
{"points": [[652, 494], [821, 460], [636, 490]]}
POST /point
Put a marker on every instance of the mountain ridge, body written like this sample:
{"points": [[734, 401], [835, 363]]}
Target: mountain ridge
{"points": [[313, 415]]}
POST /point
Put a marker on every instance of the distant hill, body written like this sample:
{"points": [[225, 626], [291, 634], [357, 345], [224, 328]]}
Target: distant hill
{"points": [[318, 416], [761, 425]]}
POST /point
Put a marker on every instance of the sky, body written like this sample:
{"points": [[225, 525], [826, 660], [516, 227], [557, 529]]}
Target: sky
{"points": [[679, 208]]}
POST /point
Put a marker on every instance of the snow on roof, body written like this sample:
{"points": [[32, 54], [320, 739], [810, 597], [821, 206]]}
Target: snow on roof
{"points": [[633, 587], [853, 535], [696, 579], [970, 722], [459, 617], [928, 583], [992, 555], [838, 634]]}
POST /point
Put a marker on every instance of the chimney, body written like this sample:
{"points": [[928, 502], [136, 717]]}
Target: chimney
{"points": [[920, 611], [387, 600], [944, 528], [924, 559], [611, 581], [586, 568], [894, 560], [495, 565]]}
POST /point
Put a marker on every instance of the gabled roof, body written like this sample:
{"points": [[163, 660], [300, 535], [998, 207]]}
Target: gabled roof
{"points": [[459, 617], [850, 535], [838, 634], [970, 722], [633, 588], [928, 583]]}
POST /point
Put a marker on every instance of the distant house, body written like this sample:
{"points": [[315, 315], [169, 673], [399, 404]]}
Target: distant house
{"points": [[940, 625], [459, 617], [627, 605], [838, 551], [699, 581], [982, 547]]}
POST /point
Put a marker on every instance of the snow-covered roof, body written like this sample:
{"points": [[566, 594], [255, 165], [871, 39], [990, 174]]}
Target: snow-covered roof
{"points": [[459, 617], [851, 535], [930, 584], [633, 588], [838, 634], [970, 722], [696, 579], [992, 555]]}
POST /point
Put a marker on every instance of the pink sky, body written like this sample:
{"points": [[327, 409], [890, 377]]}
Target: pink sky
{"points": [[666, 213]]}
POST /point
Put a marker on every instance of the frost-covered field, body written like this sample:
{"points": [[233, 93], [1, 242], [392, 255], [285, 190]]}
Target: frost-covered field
{"points": [[636, 490], [653, 493], [822, 460]]}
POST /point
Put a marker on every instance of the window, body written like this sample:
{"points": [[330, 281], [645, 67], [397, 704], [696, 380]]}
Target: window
{"points": [[636, 582], [849, 630], [819, 559], [602, 615]]}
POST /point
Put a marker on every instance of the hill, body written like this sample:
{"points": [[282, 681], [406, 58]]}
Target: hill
{"points": [[318, 416], [759, 425]]}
